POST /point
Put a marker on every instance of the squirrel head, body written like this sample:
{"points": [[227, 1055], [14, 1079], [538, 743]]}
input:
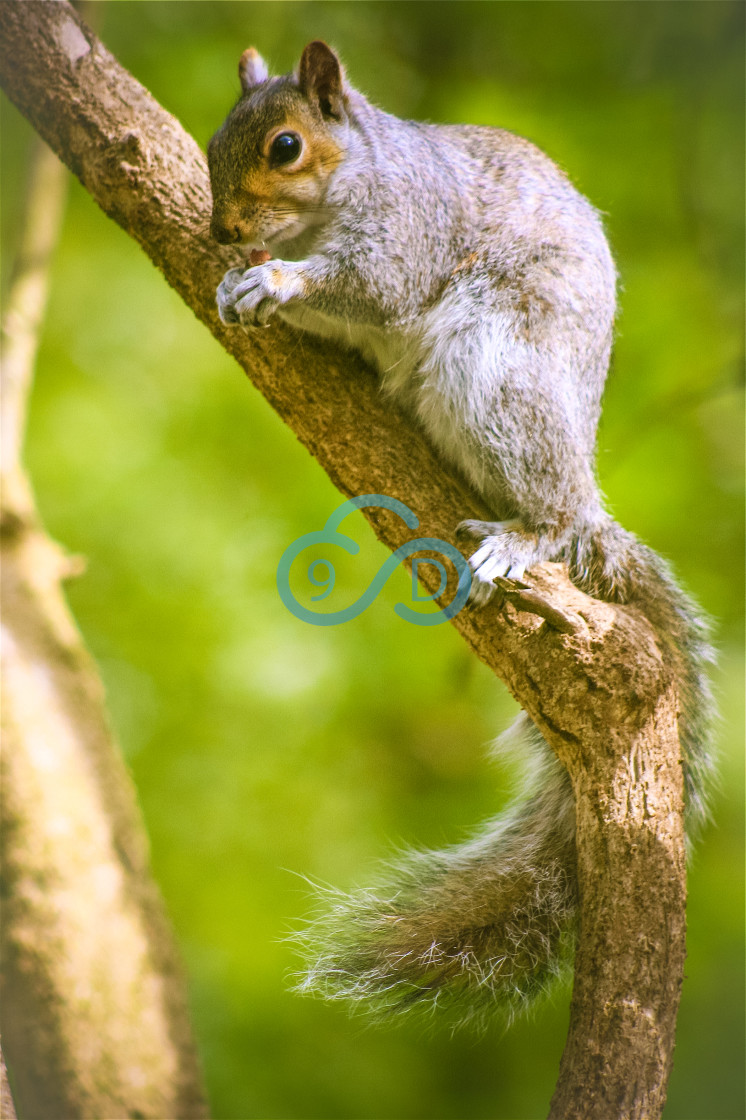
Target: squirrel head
{"points": [[271, 161]]}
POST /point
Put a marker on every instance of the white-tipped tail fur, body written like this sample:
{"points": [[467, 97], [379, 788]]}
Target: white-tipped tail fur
{"points": [[490, 923]]}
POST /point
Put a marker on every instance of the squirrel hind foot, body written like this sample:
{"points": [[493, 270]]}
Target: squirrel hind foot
{"points": [[505, 550]]}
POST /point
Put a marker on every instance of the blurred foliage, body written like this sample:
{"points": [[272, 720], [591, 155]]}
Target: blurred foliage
{"points": [[265, 749]]}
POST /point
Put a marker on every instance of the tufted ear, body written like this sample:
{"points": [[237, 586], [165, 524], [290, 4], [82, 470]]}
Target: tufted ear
{"points": [[252, 69], [321, 79]]}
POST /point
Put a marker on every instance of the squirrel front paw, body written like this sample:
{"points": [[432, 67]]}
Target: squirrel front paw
{"points": [[251, 296]]}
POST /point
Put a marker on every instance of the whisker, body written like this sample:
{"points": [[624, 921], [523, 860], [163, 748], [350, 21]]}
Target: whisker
{"points": [[282, 210]]}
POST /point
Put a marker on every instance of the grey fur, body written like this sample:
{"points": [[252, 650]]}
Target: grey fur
{"points": [[465, 267]]}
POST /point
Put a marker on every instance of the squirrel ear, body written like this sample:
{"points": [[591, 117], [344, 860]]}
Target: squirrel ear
{"points": [[252, 69], [321, 78]]}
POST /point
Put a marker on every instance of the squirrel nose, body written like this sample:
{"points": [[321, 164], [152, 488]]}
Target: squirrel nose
{"points": [[226, 235]]}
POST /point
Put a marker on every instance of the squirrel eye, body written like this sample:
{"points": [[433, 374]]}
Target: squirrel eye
{"points": [[285, 148]]}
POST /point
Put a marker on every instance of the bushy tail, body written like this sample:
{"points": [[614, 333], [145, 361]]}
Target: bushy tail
{"points": [[488, 923], [492, 923]]}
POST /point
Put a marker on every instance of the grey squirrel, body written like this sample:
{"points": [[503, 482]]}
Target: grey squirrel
{"points": [[465, 267]]}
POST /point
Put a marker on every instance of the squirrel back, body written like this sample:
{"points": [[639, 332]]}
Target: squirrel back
{"points": [[463, 264]]}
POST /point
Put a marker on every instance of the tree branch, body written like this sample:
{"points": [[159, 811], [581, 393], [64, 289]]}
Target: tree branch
{"points": [[94, 1012], [7, 1108], [600, 689]]}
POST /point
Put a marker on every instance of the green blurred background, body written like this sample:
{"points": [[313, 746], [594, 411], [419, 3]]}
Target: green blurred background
{"points": [[265, 749]]}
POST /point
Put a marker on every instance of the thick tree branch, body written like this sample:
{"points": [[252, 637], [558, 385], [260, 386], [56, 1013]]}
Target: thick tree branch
{"points": [[600, 688], [94, 1012]]}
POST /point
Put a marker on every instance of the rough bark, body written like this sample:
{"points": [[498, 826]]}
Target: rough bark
{"points": [[7, 1108], [599, 686], [94, 1013]]}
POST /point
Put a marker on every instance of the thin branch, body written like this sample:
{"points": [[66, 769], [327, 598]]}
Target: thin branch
{"points": [[24, 308]]}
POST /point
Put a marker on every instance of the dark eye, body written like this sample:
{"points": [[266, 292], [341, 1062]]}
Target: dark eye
{"points": [[285, 148]]}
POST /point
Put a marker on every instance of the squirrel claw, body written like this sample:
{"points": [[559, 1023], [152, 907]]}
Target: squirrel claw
{"points": [[481, 592]]}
